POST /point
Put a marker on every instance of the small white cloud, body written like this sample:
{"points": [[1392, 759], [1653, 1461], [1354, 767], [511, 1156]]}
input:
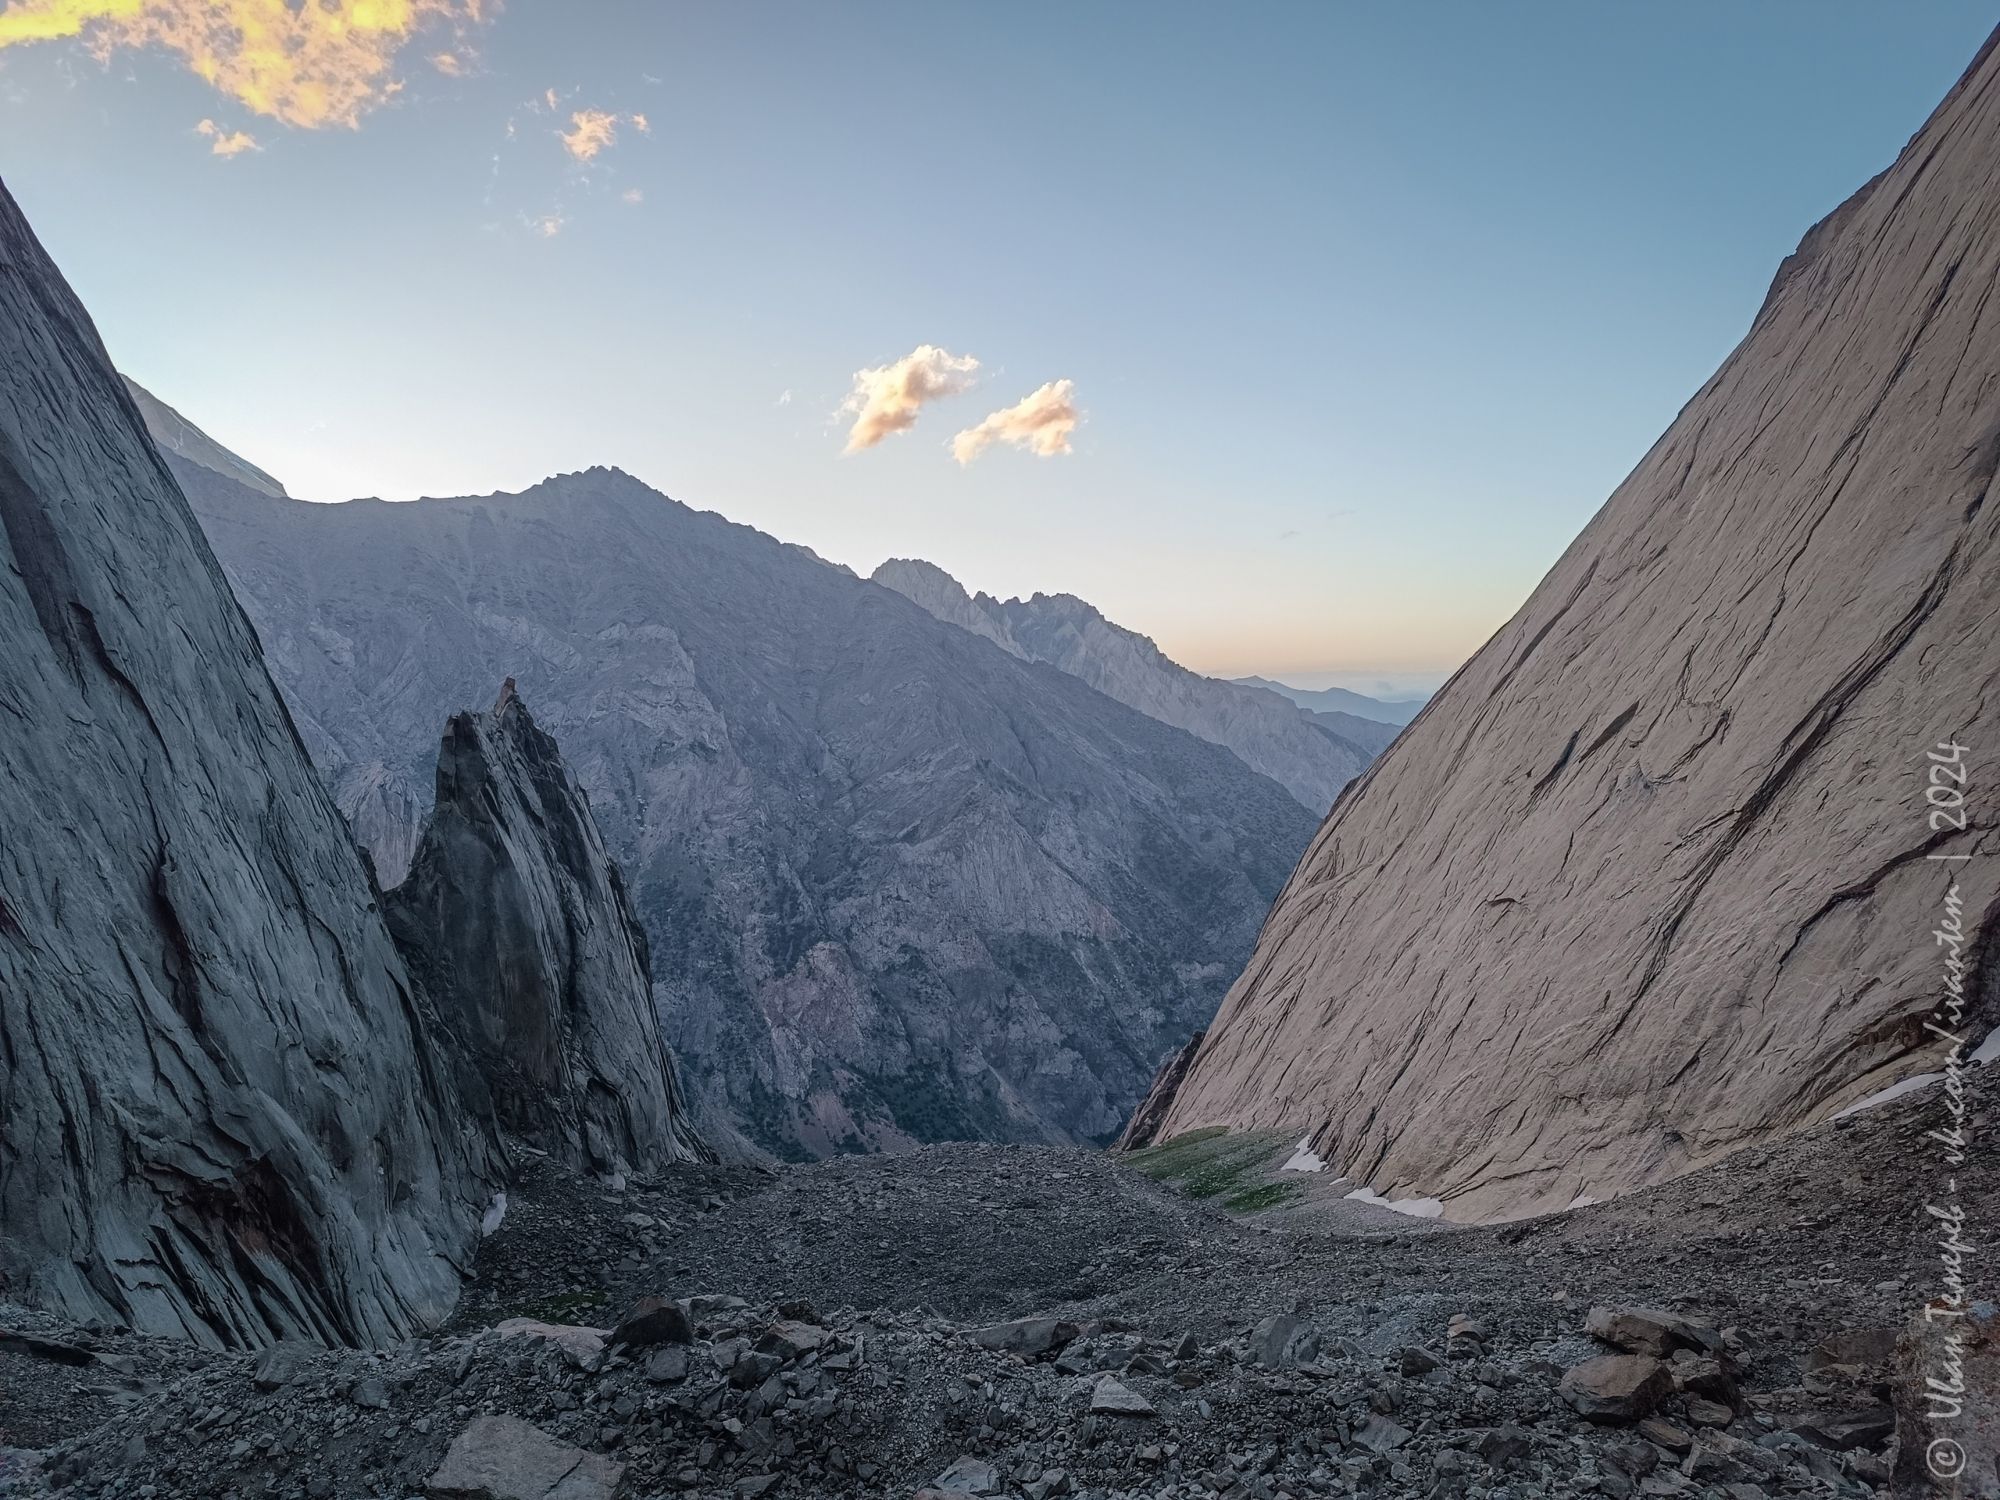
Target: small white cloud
{"points": [[785, 397], [633, 195], [887, 398], [226, 142], [1041, 423]]}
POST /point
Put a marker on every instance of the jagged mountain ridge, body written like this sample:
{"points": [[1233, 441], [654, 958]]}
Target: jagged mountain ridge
{"points": [[1312, 755], [1651, 878], [516, 920], [222, 1116], [898, 884]]}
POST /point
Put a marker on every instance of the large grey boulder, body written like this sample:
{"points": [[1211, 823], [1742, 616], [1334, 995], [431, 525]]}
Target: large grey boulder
{"points": [[220, 1116], [1650, 880], [517, 921]]}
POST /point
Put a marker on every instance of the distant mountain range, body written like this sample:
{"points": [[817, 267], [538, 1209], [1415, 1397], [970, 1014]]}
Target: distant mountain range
{"points": [[899, 883], [1311, 754], [1335, 700]]}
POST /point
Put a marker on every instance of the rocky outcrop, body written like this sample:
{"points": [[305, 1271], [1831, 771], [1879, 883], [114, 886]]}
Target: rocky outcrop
{"points": [[1312, 755], [220, 1116], [1144, 1126], [516, 920], [1652, 877], [173, 433], [898, 885]]}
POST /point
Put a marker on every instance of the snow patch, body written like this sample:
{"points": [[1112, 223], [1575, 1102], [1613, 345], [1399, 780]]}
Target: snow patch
{"points": [[496, 1215], [1304, 1159], [1986, 1052], [1416, 1208], [1893, 1091]]}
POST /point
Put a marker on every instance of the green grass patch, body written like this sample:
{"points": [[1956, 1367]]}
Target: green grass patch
{"points": [[1213, 1163], [1255, 1200]]}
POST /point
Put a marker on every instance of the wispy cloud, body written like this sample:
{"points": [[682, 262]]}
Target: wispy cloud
{"points": [[634, 195], [1041, 423], [887, 398], [324, 62], [592, 130], [548, 225], [226, 142], [448, 63]]}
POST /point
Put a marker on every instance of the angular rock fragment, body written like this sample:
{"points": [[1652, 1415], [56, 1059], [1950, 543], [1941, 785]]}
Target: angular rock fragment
{"points": [[652, 1320], [504, 1458], [1111, 1398], [1649, 1330], [1616, 1387], [1025, 1336], [968, 1476]]}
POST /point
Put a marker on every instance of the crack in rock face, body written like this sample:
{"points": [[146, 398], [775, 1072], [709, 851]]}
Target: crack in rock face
{"points": [[1651, 879]]}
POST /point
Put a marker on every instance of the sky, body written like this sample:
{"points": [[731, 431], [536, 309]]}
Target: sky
{"points": [[1301, 337]]}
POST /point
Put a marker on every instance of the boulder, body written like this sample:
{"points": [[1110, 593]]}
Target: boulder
{"points": [[1025, 1336], [650, 1321], [968, 1476], [1280, 1342], [1649, 1330], [1381, 1435], [582, 1347], [1113, 1399], [1839, 1432], [1616, 1387], [791, 1338], [504, 1458]]}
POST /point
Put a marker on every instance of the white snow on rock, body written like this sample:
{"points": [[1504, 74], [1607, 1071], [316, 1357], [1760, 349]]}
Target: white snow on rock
{"points": [[1416, 1208], [1304, 1159]]}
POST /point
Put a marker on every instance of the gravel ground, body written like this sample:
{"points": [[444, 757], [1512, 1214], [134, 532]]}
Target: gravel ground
{"points": [[1281, 1352]]}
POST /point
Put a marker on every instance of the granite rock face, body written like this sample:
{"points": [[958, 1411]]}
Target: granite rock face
{"points": [[1650, 879], [220, 1113], [898, 884], [516, 921], [1311, 755]]}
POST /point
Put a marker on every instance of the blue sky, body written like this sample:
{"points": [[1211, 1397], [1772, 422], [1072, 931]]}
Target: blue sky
{"points": [[1367, 307]]}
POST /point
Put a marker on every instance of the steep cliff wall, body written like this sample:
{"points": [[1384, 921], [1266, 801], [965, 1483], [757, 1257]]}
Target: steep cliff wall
{"points": [[219, 1113], [1651, 878]]}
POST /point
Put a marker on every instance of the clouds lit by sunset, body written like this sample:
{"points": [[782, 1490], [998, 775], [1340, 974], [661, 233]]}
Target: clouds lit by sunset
{"points": [[325, 62]]}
